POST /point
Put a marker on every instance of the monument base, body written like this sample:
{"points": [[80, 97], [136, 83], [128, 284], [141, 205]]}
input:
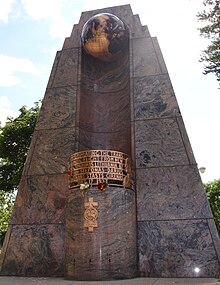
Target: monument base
{"points": [[107, 249]]}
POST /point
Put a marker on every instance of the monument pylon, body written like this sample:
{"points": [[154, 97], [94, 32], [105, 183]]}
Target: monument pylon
{"points": [[110, 188]]}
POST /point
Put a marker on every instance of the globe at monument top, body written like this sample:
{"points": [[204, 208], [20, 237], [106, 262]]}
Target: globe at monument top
{"points": [[104, 36]]}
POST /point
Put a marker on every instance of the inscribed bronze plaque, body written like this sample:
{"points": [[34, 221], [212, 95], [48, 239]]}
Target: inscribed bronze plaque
{"points": [[95, 166]]}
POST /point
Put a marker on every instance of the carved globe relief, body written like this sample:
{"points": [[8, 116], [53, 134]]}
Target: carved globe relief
{"points": [[104, 36]]}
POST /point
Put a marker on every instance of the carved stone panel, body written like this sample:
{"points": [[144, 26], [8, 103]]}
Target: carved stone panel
{"points": [[159, 143], [37, 252], [175, 248]]}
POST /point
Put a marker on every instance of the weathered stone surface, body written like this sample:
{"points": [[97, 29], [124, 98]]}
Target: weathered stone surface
{"points": [[176, 248], [74, 39], [67, 67], [109, 252], [105, 112], [215, 237], [154, 97], [37, 252], [53, 70], [137, 30], [41, 199], [115, 141], [52, 151], [186, 141], [171, 193], [159, 55], [145, 60], [30, 153], [159, 143], [58, 108], [99, 76]]}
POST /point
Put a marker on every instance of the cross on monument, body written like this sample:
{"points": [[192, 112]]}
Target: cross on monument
{"points": [[91, 215]]}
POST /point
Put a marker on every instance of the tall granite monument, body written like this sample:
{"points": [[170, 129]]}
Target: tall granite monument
{"points": [[110, 187]]}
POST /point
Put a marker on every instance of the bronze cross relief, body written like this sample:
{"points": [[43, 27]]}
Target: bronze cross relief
{"points": [[90, 215]]}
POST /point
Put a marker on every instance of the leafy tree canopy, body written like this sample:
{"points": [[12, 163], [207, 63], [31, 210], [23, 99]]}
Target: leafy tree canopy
{"points": [[211, 17], [6, 205], [15, 138], [213, 194]]}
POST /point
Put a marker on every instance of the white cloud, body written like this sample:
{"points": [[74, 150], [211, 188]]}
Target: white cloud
{"points": [[6, 110], [60, 29], [10, 66], [88, 5], [5, 9], [41, 9]]}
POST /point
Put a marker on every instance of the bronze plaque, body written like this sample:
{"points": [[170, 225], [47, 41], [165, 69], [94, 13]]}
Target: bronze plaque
{"points": [[97, 166]]}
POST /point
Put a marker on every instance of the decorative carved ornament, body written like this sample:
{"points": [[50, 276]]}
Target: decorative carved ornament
{"points": [[90, 215], [94, 166]]}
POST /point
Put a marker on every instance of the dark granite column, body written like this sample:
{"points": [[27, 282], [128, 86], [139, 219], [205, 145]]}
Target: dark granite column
{"points": [[109, 251], [104, 112]]}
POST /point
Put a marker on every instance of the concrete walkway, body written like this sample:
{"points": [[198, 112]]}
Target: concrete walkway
{"points": [[5, 280]]}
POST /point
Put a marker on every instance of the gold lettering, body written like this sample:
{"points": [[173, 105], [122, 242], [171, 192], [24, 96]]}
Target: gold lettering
{"points": [[94, 165]]}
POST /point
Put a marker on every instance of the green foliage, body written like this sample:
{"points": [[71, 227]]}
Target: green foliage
{"points": [[213, 194], [211, 17], [15, 138], [6, 206]]}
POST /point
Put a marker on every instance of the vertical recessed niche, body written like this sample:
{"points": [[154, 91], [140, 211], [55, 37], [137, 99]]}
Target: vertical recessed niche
{"points": [[104, 109]]}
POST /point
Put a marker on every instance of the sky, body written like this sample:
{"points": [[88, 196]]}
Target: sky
{"points": [[32, 31]]}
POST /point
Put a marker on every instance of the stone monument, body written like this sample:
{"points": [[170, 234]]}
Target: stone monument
{"points": [[110, 188]]}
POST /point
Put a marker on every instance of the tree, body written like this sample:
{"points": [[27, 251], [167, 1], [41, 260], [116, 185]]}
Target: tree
{"points": [[213, 194], [15, 138], [6, 206], [211, 56]]}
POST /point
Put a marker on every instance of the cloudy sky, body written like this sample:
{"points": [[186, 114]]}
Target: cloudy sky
{"points": [[31, 31]]}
